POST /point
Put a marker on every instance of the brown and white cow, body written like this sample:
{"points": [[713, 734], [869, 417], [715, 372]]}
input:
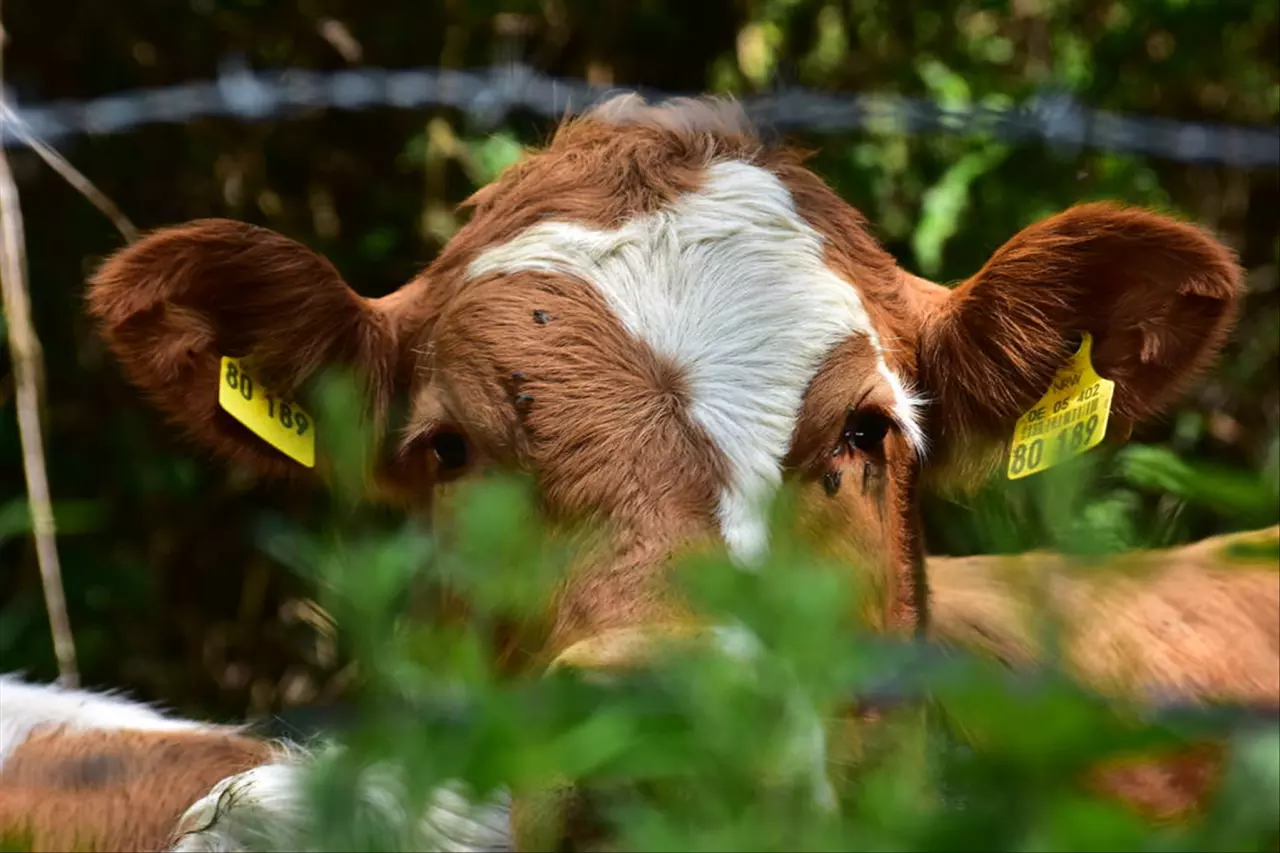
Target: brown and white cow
{"points": [[663, 319]]}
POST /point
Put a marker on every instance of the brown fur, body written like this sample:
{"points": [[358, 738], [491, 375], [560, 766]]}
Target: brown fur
{"points": [[172, 304], [1158, 296], [600, 421], [1169, 788], [604, 431], [114, 790], [1179, 622]]}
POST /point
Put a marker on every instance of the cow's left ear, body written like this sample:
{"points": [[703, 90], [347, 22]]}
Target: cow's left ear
{"points": [[1158, 297]]}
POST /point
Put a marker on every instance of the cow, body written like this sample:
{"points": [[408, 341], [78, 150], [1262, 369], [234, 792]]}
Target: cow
{"points": [[665, 320]]}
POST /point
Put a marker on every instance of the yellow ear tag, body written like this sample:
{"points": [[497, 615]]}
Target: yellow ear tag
{"points": [[279, 421], [1070, 419]]}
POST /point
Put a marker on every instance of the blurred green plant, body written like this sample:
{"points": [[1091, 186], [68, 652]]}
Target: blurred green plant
{"points": [[169, 595], [713, 746], [70, 518], [1248, 499]]}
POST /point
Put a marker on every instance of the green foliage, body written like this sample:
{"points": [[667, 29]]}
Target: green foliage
{"points": [[1249, 499], [173, 565], [69, 518], [712, 746], [946, 202]]}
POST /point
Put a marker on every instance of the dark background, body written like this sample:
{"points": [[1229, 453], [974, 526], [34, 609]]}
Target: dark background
{"points": [[169, 596]]}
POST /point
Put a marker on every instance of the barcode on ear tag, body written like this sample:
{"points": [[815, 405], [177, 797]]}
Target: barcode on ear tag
{"points": [[279, 421], [1069, 420]]}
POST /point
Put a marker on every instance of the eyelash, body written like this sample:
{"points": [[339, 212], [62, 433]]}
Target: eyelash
{"points": [[864, 432]]}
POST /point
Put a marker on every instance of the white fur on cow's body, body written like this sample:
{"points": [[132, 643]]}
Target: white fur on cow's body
{"points": [[731, 284], [26, 707], [262, 808], [265, 808]]}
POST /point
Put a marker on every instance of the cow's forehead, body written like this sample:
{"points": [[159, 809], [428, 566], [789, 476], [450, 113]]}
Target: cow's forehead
{"points": [[731, 285]]}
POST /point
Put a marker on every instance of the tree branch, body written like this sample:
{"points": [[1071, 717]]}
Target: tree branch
{"points": [[24, 349]]}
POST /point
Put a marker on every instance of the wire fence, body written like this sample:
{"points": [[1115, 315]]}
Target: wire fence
{"points": [[488, 96]]}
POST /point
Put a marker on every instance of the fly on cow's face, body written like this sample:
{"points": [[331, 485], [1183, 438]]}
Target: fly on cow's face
{"points": [[541, 317], [831, 482], [513, 385]]}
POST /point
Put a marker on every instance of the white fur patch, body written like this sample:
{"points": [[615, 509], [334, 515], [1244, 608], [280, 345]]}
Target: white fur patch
{"points": [[25, 708], [259, 809], [266, 808], [731, 284], [262, 808]]}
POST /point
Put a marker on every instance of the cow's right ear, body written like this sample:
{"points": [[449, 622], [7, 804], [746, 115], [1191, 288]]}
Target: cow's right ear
{"points": [[171, 305]]}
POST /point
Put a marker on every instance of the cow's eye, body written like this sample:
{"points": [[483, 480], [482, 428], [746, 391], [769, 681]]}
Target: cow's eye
{"points": [[865, 430], [451, 452]]}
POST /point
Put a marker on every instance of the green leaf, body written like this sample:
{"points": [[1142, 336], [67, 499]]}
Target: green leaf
{"points": [[70, 518], [1245, 496], [950, 89], [493, 154], [945, 203]]}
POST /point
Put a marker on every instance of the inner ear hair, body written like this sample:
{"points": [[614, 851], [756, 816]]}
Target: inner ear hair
{"points": [[1158, 296], [172, 304]]}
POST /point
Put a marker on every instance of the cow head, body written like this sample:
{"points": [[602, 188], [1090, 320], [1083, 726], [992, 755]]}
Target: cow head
{"points": [[663, 319]]}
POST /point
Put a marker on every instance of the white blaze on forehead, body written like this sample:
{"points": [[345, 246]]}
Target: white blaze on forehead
{"points": [[731, 284]]}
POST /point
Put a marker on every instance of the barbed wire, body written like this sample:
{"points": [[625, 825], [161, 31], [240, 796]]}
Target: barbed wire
{"points": [[488, 96]]}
